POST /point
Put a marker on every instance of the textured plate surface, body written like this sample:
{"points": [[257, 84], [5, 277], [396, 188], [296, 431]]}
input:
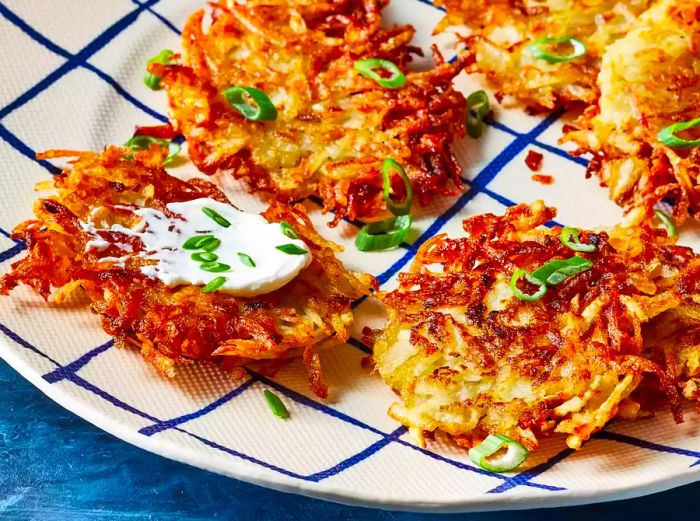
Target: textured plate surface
{"points": [[72, 79]]}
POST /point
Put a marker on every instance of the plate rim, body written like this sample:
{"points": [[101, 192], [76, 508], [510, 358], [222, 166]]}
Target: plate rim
{"points": [[333, 493]]}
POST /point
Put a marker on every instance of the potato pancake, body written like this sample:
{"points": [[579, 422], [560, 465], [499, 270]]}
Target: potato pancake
{"points": [[333, 126], [649, 79], [180, 324], [501, 33], [470, 358]]}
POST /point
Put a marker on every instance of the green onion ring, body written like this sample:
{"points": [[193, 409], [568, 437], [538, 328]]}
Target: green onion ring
{"points": [[204, 256], [512, 459], [246, 259], [151, 80], [569, 237], [669, 223], [265, 109], [367, 68], [384, 234], [667, 136], [214, 267], [557, 271], [210, 244], [197, 241], [214, 284], [477, 109], [537, 295], [276, 406], [137, 143], [389, 165], [216, 217], [291, 249], [288, 230], [535, 49]]}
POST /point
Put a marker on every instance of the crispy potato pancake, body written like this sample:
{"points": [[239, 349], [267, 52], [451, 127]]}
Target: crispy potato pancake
{"points": [[469, 359], [334, 127], [648, 80], [182, 324], [501, 30]]}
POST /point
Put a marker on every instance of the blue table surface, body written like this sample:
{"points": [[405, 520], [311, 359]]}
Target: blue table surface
{"points": [[55, 466]]}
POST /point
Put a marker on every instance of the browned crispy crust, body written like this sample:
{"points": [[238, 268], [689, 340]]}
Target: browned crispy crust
{"points": [[334, 127], [497, 33], [469, 359], [648, 81], [175, 325]]}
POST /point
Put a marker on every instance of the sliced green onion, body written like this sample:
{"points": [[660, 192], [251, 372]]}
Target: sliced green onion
{"points": [[669, 223], [536, 49], [291, 249], [214, 284], [537, 295], [557, 271], [196, 241], [204, 256], [389, 165], [368, 68], [216, 217], [514, 456], [477, 108], [151, 80], [288, 230], [263, 111], [210, 244], [144, 142], [246, 259], [276, 405], [214, 267], [384, 234], [569, 237], [668, 135]]}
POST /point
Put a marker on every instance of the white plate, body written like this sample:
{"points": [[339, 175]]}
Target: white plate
{"points": [[73, 80]]}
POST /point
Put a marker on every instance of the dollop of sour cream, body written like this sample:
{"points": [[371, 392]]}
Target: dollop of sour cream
{"points": [[253, 264]]}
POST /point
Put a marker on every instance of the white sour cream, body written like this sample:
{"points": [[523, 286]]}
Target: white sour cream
{"points": [[250, 234]]}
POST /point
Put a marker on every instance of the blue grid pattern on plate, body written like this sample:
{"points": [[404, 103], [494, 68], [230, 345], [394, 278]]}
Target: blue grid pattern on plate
{"points": [[479, 185]]}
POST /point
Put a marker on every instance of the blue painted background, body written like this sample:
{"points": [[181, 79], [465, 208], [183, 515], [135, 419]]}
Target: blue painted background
{"points": [[55, 466]]}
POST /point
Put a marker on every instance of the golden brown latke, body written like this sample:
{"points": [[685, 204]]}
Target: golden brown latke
{"points": [[469, 359], [334, 127], [500, 31], [648, 80], [172, 325]]}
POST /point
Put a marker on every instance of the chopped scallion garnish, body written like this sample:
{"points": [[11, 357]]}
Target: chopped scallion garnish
{"points": [[388, 166], [477, 109], [537, 295], [214, 267], [196, 241], [276, 406], [570, 237], [204, 256], [214, 284], [216, 217], [514, 456], [210, 244], [291, 249], [263, 110], [668, 135], [246, 259], [384, 234], [537, 49], [137, 143], [557, 271], [288, 230], [668, 221], [151, 80], [368, 67]]}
